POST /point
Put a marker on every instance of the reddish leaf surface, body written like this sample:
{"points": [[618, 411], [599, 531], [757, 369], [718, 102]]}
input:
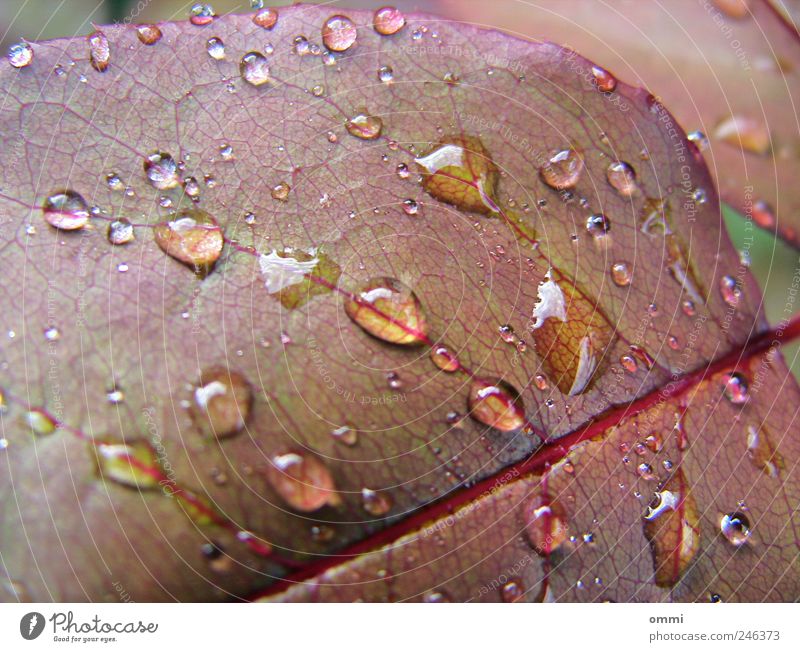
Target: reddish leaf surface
{"points": [[708, 62], [136, 466]]}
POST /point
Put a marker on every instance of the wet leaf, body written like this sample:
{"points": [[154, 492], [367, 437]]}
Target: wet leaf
{"points": [[287, 343]]}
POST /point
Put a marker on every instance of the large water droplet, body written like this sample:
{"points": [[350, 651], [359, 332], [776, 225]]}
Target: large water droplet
{"points": [[215, 48], [497, 404], [266, 17], [570, 332], [222, 402], [191, 236], [20, 55], [66, 210], [339, 33], [459, 171], [445, 359], [545, 524], [132, 464], [389, 310], [622, 178], [562, 170], [254, 68], [201, 14], [302, 480], [161, 170], [120, 232], [365, 126], [672, 525], [99, 51], [735, 527], [148, 34], [388, 20]]}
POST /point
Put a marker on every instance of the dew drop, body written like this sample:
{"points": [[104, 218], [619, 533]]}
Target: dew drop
{"points": [[385, 74], [497, 404], [563, 169], [604, 80], [115, 396], [730, 290], [735, 527], [66, 210], [52, 334], [598, 225], [161, 170], [266, 17], [40, 422], [402, 171], [545, 524], [99, 52], [280, 191], [699, 139], [540, 381], [222, 402], [459, 171], [148, 34], [388, 20], [735, 388], [445, 359], [131, 464], [192, 237], [763, 215], [20, 55], [376, 503], [513, 591], [762, 453], [622, 178], [628, 363], [302, 480], [339, 33], [364, 126], [201, 14], [410, 207], [389, 310], [254, 68], [215, 48], [621, 274], [654, 442], [435, 597], [120, 232], [346, 435]]}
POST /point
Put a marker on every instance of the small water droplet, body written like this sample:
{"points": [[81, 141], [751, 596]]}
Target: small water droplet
{"points": [[385, 74], [628, 363], [222, 402], [201, 14], [120, 232], [621, 274], [735, 528], [434, 597], [699, 139], [280, 191], [302, 480], [148, 34], [131, 464], [40, 422], [376, 503], [215, 48], [604, 80], [20, 55], [654, 442], [52, 334], [66, 210], [622, 178], [497, 404], [762, 452], [730, 290], [512, 591], [254, 68], [445, 359], [410, 207], [266, 17], [563, 169], [598, 225], [388, 20], [389, 310], [364, 126], [735, 388], [115, 396], [161, 170], [99, 51], [346, 435], [545, 524]]}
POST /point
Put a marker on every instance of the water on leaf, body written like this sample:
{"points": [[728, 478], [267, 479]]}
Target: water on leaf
{"points": [[389, 310], [66, 210], [497, 404], [302, 480], [388, 20], [192, 237], [338, 33], [254, 68], [222, 402]]}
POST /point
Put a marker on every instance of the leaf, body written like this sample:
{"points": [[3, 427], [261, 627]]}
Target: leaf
{"points": [[726, 69], [333, 373]]}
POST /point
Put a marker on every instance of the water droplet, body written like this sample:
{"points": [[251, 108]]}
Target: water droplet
{"points": [[339, 33], [740, 131], [497, 404], [132, 464], [570, 332], [388, 20], [280, 191], [628, 363], [376, 503], [215, 48], [254, 68], [201, 14], [763, 215], [266, 18], [762, 453], [99, 52], [654, 442], [222, 402], [434, 597], [512, 591], [545, 524], [66, 210], [645, 471], [20, 55], [364, 126], [688, 307], [322, 533], [346, 435], [736, 388], [621, 274], [563, 169], [699, 139], [604, 80], [730, 290], [672, 525], [385, 74], [540, 381], [445, 359], [120, 232], [735, 528], [394, 380], [302, 480], [148, 34], [389, 310], [622, 178], [115, 396], [161, 170], [191, 236], [598, 225], [40, 422], [52, 334], [410, 207], [459, 171]]}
